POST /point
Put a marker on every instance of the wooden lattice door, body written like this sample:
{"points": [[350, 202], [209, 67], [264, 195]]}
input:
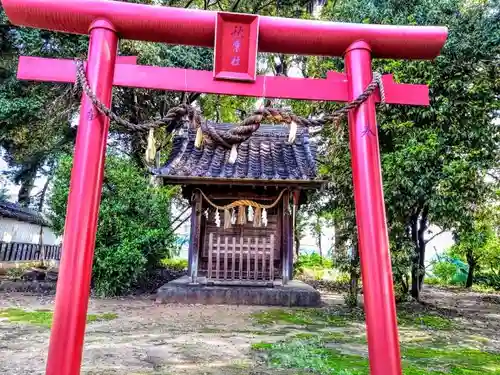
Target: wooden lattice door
{"points": [[240, 257]]}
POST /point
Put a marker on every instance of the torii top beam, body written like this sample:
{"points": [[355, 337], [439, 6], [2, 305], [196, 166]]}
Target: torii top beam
{"points": [[197, 28]]}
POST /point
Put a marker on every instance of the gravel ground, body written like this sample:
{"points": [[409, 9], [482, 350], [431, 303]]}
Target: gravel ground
{"points": [[146, 338], [152, 339]]}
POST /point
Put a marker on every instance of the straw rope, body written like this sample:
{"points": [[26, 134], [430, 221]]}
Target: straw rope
{"points": [[238, 134], [243, 202]]}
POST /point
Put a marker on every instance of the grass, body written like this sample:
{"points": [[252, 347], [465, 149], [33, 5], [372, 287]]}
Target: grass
{"points": [[479, 288], [307, 317], [320, 357], [317, 318], [333, 343], [425, 321], [44, 317]]}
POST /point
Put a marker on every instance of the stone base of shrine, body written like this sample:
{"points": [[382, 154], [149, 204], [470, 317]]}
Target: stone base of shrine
{"points": [[294, 293]]}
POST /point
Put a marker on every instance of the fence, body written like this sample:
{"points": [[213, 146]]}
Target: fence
{"points": [[240, 259], [18, 252]]}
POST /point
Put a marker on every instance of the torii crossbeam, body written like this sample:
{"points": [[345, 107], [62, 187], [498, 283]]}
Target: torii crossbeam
{"points": [[234, 73]]}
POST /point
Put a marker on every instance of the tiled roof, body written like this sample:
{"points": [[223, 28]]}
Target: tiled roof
{"points": [[14, 211], [266, 155]]}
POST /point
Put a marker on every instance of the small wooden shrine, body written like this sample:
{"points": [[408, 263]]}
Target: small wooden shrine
{"points": [[244, 204]]}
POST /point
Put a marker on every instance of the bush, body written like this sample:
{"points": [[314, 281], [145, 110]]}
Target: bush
{"points": [[312, 261], [488, 279], [175, 264], [444, 271], [133, 233]]}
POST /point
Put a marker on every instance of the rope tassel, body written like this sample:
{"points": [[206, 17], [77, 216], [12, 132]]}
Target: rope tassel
{"points": [[242, 216], [233, 154], [257, 218], [199, 138], [250, 213], [217, 219], [227, 219], [293, 132]]}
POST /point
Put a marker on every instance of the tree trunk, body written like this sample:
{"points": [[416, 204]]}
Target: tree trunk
{"points": [[471, 261], [422, 245], [43, 193], [354, 278], [297, 246], [319, 247], [27, 184], [418, 223], [415, 291]]}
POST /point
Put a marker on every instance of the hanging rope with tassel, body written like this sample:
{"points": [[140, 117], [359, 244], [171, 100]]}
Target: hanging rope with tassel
{"points": [[257, 212]]}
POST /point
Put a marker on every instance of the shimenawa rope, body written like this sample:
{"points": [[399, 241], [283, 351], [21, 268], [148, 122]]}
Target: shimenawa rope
{"points": [[243, 202], [259, 216], [239, 133]]}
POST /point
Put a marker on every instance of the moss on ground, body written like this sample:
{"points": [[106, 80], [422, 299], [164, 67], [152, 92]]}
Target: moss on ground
{"points": [[425, 321], [318, 356], [317, 318], [334, 344], [44, 317], [307, 317]]}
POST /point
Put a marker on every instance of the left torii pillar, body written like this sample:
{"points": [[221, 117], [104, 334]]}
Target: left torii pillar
{"points": [[83, 207]]}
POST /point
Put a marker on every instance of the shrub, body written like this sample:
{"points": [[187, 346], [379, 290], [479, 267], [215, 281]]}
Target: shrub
{"points": [[488, 280], [175, 264], [312, 261], [133, 233], [444, 271]]}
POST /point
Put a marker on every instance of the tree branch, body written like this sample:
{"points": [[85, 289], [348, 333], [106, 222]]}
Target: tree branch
{"points": [[496, 178], [434, 236], [181, 214], [235, 6], [178, 226], [257, 9]]}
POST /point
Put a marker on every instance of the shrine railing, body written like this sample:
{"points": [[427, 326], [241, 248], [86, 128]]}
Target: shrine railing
{"points": [[243, 258]]}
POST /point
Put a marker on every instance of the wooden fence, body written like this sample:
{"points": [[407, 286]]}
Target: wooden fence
{"points": [[18, 252], [231, 258]]}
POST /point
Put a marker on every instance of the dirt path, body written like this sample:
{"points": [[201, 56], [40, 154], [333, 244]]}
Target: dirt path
{"points": [[151, 339], [145, 339]]}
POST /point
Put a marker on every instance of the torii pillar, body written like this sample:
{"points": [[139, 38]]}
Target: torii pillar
{"points": [[233, 75]]}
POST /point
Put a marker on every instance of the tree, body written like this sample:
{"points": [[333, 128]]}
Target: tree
{"points": [[299, 230], [36, 119], [477, 242], [133, 232], [317, 229], [434, 159]]}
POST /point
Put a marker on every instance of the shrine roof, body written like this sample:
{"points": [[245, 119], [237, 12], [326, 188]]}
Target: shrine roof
{"points": [[17, 212], [266, 157]]}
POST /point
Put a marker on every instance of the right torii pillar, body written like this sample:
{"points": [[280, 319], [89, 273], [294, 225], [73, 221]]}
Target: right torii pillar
{"points": [[376, 270]]}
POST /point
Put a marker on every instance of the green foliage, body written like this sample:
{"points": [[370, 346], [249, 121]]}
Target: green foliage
{"points": [[487, 282], [35, 118], [308, 317], [444, 271], [44, 317], [311, 355], [175, 264], [434, 159], [425, 321], [313, 260], [318, 355], [134, 224], [15, 272]]}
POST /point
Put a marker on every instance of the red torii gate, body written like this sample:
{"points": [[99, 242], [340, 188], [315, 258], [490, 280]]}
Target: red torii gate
{"points": [[105, 21]]}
